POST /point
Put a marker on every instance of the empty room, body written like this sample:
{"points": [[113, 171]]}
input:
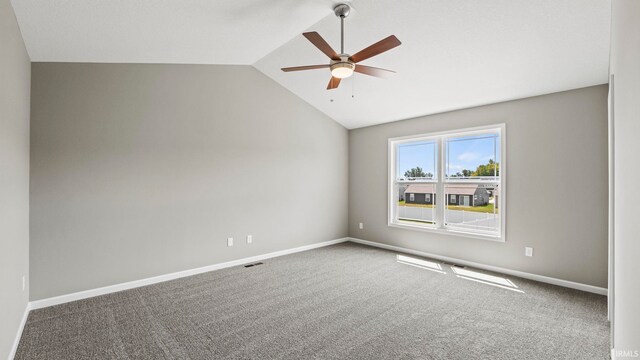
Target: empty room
{"points": [[319, 179]]}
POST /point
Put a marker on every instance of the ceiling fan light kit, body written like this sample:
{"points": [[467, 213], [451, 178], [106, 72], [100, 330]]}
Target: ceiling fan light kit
{"points": [[344, 65], [342, 68]]}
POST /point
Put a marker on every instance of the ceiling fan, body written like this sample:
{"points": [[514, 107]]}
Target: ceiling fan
{"points": [[343, 65]]}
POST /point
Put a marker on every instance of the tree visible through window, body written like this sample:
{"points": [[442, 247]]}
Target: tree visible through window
{"points": [[471, 165]]}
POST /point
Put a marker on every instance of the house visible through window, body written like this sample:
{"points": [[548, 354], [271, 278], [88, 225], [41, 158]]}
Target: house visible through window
{"points": [[465, 167]]}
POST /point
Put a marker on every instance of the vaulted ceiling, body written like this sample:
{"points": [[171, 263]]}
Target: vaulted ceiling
{"points": [[454, 53]]}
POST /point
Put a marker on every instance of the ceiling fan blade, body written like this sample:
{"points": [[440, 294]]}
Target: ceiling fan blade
{"points": [[376, 49], [333, 83], [374, 71], [319, 42], [307, 67]]}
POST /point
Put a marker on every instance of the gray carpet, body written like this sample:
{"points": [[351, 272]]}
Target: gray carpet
{"points": [[340, 302]]}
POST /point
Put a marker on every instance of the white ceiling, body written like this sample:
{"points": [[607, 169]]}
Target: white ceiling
{"points": [[455, 53], [162, 31]]}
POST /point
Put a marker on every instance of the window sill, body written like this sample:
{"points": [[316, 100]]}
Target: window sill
{"points": [[460, 233]]}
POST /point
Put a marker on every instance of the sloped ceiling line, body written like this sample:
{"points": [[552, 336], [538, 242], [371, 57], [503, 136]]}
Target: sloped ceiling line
{"points": [[454, 53]]}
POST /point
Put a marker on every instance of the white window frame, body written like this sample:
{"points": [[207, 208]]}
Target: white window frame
{"points": [[412, 197], [439, 180]]}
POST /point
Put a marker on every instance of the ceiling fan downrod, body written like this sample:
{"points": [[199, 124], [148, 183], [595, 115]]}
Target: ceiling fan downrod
{"points": [[344, 65], [342, 11]]}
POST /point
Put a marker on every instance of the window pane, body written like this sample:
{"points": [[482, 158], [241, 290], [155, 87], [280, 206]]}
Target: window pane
{"points": [[463, 166], [416, 160], [472, 207], [415, 203], [473, 157]]}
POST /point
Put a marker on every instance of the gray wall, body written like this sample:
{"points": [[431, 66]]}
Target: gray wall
{"points": [[143, 170], [625, 66], [15, 74], [556, 150]]}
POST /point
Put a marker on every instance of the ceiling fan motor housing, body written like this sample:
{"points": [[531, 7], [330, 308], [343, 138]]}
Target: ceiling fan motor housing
{"points": [[343, 65], [342, 10], [342, 68]]}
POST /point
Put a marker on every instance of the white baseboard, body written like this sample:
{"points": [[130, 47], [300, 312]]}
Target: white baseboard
{"points": [[16, 341], [525, 275], [38, 304]]}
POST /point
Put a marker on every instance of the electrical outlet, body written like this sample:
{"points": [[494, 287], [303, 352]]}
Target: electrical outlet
{"points": [[24, 282], [361, 226], [249, 239], [528, 251], [230, 241]]}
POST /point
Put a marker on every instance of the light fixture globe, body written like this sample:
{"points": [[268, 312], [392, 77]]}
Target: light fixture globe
{"points": [[343, 68]]}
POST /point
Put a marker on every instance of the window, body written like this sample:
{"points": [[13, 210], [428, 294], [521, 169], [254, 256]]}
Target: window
{"points": [[465, 167]]}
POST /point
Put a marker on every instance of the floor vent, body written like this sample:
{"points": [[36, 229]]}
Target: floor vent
{"points": [[255, 264]]}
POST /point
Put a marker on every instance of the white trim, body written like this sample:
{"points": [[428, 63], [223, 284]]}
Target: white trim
{"points": [[541, 278], [38, 304], [449, 231], [441, 181], [23, 322], [429, 136], [612, 206]]}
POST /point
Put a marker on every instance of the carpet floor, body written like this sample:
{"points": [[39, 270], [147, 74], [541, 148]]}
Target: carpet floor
{"points": [[346, 301]]}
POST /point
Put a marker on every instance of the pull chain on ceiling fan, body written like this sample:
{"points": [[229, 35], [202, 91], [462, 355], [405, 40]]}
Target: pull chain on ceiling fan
{"points": [[344, 65]]}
